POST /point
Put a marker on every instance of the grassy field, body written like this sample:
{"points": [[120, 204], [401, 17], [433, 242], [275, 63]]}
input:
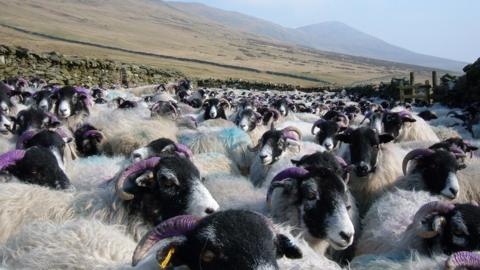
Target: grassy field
{"points": [[155, 27]]}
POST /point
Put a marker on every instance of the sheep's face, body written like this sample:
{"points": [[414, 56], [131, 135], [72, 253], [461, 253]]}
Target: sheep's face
{"points": [[272, 146], [326, 135], [5, 103], [326, 204], [88, 142], [172, 188], [376, 122], [282, 107], [393, 123], [50, 140], [461, 231], [439, 172], [364, 146], [43, 100], [39, 166], [6, 124], [34, 119], [235, 239], [68, 102], [154, 148], [247, 120], [214, 109]]}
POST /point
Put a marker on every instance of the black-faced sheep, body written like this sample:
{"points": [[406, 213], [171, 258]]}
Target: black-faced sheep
{"points": [[141, 196]]}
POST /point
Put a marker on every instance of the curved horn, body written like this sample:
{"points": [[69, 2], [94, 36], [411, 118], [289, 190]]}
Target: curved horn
{"points": [[223, 100], [414, 154], [84, 92], [367, 115], [463, 259], [432, 227], [275, 112], [175, 112], [10, 158], [342, 162], [457, 152], [183, 149], [172, 227], [277, 181], [53, 118], [345, 122], [132, 169], [317, 124], [27, 135], [405, 114], [287, 133]]}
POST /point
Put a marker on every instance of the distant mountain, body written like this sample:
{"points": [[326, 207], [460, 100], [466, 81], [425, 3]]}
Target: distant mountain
{"points": [[328, 36]]}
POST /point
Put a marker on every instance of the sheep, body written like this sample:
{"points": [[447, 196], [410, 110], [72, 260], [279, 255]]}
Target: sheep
{"points": [[437, 228], [34, 248], [87, 140], [160, 146], [402, 124], [36, 165], [233, 142], [56, 141], [327, 129], [317, 203], [72, 105], [214, 108], [376, 163], [141, 196], [43, 100], [126, 131], [434, 170], [275, 150], [7, 139]]}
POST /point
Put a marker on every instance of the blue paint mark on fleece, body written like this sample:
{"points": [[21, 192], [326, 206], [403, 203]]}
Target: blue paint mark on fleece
{"points": [[234, 136]]}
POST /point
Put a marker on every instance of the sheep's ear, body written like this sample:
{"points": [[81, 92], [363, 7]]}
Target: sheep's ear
{"points": [[408, 119], [285, 247], [295, 162], [385, 138], [343, 137]]}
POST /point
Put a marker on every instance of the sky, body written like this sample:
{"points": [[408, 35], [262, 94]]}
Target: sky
{"points": [[449, 29]]}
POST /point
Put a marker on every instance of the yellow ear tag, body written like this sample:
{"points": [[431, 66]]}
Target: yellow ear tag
{"points": [[167, 259]]}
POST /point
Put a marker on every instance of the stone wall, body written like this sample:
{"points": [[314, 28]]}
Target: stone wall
{"points": [[57, 68]]}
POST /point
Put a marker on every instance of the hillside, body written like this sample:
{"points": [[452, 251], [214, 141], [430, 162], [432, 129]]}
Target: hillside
{"points": [[327, 36], [195, 45]]}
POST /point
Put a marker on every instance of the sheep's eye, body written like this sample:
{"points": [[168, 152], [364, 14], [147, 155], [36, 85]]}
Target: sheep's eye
{"points": [[208, 256], [311, 195], [349, 207], [168, 181], [457, 231]]}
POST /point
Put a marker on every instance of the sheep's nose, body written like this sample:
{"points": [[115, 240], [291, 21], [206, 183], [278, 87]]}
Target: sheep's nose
{"points": [[262, 157], [329, 146], [8, 126], [346, 236], [453, 191], [209, 211], [63, 110]]}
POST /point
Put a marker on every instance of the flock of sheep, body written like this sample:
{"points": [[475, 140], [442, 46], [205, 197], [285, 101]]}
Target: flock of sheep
{"points": [[167, 177]]}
